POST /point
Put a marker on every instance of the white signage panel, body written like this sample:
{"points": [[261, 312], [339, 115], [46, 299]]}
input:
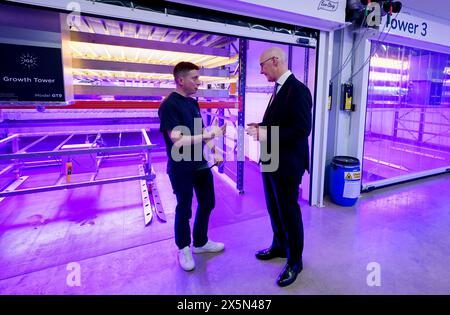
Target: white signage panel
{"points": [[331, 10], [418, 28]]}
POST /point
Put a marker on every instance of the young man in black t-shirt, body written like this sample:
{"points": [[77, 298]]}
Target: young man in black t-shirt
{"points": [[184, 136]]}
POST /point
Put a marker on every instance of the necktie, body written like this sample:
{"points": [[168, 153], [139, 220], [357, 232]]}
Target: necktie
{"points": [[271, 99], [275, 88]]}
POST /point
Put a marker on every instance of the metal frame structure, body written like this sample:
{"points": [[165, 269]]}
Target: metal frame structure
{"points": [[361, 82], [237, 122], [123, 60], [243, 44], [116, 10], [96, 9], [320, 119], [19, 158], [219, 116]]}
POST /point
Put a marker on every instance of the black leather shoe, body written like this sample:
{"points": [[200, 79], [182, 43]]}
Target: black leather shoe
{"points": [[270, 253], [289, 274]]}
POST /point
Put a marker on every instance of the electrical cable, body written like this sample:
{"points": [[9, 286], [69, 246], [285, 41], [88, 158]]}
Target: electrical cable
{"points": [[375, 50], [350, 54]]}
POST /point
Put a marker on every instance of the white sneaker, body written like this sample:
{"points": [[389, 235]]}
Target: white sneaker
{"points": [[185, 259], [209, 247]]}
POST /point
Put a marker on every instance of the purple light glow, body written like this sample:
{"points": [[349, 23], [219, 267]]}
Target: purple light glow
{"points": [[408, 99], [383, 76]]}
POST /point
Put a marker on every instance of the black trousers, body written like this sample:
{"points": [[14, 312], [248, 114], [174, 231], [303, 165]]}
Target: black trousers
{"points": [[183, 183], [285, 214]]}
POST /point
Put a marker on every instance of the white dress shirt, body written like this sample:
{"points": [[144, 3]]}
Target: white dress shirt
{"points": [[283, 79]]}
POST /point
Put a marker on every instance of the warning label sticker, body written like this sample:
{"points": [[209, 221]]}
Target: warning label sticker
{"points": [[352, 175], [352, 189]]}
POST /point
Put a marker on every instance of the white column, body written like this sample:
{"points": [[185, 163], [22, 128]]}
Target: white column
{"points": [[339, 127], [320, 116]]}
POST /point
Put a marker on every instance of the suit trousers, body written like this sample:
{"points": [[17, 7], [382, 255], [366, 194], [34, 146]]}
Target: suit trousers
{"points": [[183, 183], [282, 194]]}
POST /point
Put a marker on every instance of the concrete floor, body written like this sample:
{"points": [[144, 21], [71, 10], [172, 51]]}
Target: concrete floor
{"points": [[403, 228]]}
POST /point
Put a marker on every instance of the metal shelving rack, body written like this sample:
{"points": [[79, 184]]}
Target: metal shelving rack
{"points": [[130, 65], [67, 151]]}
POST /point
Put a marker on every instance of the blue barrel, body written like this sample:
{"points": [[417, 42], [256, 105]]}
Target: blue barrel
{"points": [[345, 180]]}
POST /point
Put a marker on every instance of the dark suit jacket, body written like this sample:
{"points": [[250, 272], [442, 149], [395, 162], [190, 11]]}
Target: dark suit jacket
{"points": [[291, 111]]}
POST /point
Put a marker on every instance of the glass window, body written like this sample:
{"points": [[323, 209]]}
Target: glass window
{"points": [[408, 112]]}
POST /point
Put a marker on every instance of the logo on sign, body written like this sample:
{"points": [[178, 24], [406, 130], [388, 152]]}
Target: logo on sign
{"points": [[328, 5], [28, 61]]}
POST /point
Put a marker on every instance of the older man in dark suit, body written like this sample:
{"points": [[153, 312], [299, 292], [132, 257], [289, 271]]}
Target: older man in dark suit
{"points": [[285, 127]]}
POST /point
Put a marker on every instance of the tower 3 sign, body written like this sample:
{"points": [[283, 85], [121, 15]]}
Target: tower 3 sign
{"points": [[31, 74], [418, 28]]}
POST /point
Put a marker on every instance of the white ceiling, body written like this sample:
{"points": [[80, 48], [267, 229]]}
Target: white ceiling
{"points": [[439, 8]]}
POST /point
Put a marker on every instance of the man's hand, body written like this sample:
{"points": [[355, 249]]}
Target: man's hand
{"points": [[215, 131], [262, 133], [253, 130], [219, 131], [256, 132], [217, 154], [218, 159]]}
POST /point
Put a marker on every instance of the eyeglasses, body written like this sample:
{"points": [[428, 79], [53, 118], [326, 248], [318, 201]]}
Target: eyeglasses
{"points": [[262, 62]]}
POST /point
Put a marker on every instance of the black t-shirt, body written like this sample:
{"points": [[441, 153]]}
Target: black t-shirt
{"points": [[182, 113]]}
